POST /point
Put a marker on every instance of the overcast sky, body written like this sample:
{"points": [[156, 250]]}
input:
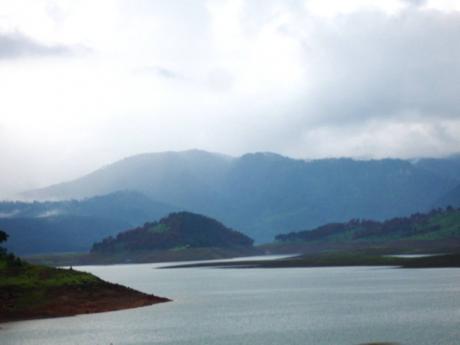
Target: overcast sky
{"points": [[84, 83]]}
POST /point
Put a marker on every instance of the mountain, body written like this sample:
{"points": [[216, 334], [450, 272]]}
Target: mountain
{"points": [[177, 231], [57, 234], [448, 167], [73, 226], [263, 194], [451, 198], [130, 206], [438, 230], [172, 177]]}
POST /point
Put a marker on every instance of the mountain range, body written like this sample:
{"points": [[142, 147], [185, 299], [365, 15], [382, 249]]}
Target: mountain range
{"points": [[264, 194]]}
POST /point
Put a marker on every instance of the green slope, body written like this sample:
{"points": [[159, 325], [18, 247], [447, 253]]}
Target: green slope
{"points": [[435, 226], [33, 291]]}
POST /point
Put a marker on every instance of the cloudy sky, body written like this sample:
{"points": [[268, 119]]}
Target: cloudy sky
{"points": [[84, 83]]}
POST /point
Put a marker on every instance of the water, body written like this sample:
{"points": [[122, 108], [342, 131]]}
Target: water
{"points": [[301, 306]]}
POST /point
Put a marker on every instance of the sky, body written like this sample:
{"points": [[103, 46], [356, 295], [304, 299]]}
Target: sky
{"points": [[84, 83]]}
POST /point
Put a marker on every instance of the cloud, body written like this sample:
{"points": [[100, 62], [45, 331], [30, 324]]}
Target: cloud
{"points": [[16, 45], [416, 2], [309, 79], [160, 71], [370, 65], [400, 71]]}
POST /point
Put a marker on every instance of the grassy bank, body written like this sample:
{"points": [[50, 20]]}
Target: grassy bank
{"points": [[32, 291]]}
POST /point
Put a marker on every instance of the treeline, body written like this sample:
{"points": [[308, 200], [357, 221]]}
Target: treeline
{"points": [[176, 231], [417, 224]]}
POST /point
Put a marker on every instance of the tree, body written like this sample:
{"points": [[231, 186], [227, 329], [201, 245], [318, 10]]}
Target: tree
{"points": [[3, 236]]}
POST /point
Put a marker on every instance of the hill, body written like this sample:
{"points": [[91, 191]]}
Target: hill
{"points": [[130, 206], [73, 226], [177, 231], [438, 230], [31, 291], [264, 193]]}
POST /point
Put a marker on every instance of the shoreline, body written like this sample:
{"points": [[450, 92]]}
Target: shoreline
{"points": [[343, 259], [73, 301], [30, 292]]}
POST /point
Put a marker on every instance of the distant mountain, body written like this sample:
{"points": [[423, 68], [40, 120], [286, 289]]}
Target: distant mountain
{"points": [[451, 198], [171, 177], [177, 231], [440, 224], [57, 234], [448, 167], [131, 206], [263, 194], [73, 226]]}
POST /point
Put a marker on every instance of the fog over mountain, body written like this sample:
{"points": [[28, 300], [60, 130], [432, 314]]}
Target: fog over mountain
{"points": [[85, 84], [263, 194], [72, 225]]}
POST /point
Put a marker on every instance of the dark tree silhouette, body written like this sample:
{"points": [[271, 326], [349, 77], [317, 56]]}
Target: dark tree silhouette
{"points": [[3, 236]]}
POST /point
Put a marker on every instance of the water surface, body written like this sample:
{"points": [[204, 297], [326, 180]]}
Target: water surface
{"points": [[333, 306]]}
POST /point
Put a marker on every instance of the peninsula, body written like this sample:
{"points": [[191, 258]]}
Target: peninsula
{"points": [[34, 291]]}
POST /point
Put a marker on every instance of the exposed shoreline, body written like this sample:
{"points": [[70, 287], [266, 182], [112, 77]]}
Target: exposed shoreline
{"points": [[340, 259], [35, 292], [72, 301]]}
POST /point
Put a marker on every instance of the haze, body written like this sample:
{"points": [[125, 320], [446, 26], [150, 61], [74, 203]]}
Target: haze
{"points": [[85, 83]]}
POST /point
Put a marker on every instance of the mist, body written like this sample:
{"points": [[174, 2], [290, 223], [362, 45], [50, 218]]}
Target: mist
{"points": [[87, 84]]}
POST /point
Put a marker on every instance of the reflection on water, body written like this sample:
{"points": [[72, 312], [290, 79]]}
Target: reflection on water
{"points": [[318, 306]]}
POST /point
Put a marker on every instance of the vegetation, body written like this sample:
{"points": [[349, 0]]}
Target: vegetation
{"points": [[3, 236], [178, 232], [261, 193], [32, 291], [439, 224]]}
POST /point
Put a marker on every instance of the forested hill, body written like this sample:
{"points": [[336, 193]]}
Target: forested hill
{"points": [[439, 224], [176, 231]]}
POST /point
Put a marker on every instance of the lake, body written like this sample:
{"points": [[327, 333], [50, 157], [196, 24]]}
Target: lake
{"points": [[333, 306]]}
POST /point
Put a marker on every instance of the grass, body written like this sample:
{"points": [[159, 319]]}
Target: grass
{"points": [[449, 226], [27, 276], [180, 248], [33, 291], [24, 286], [159, 228]]}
